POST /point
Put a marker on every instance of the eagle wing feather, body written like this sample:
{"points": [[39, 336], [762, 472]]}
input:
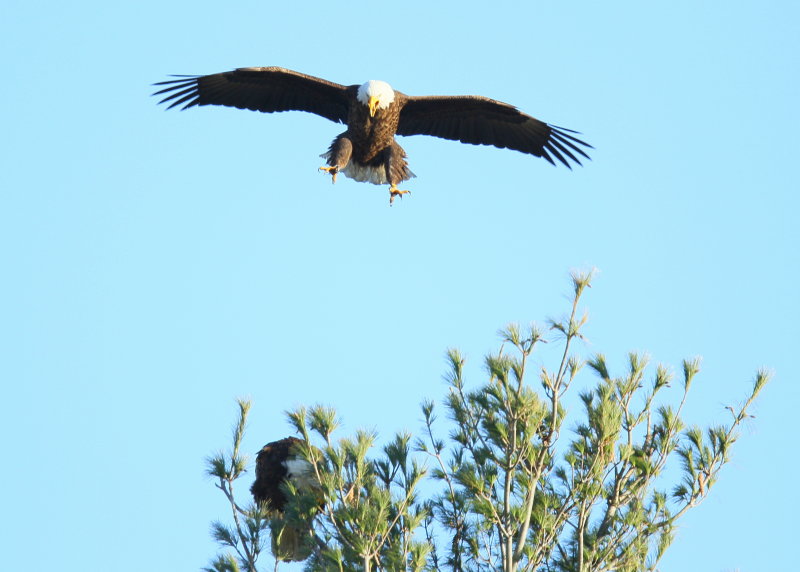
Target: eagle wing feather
{"points": [[266, 89], [483, 121]]}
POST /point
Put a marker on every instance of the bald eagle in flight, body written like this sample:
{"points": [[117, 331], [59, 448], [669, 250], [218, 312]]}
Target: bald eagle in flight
{"points": [[374, 113], [277, 463]]}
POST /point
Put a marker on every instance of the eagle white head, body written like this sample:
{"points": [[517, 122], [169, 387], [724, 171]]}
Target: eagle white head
{"points": [[376, 95], [301, 472]]}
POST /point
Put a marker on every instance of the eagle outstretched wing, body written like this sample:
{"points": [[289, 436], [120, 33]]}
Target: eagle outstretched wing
{"points": [[267, 89], [483, 121]]}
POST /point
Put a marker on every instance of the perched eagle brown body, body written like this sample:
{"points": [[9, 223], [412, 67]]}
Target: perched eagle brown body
{"points": [[272, 471], [277, 463], [374, 114]]}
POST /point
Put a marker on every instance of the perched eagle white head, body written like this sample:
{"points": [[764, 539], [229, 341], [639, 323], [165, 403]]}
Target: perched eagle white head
{"points": [[376, 94], [301, 473]]}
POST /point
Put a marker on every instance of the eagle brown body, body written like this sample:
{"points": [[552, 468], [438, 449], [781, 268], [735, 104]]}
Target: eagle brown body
{"points": [[271, 472], [367, 151], [277, 463], [374, 114]]}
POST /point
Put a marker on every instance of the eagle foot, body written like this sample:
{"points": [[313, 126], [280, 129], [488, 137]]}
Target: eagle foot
{"points": [[332, 171], [395, 192]]}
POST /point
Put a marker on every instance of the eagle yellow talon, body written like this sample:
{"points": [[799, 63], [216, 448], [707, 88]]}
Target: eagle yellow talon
{"points": [[332, 171], [395, 192]]}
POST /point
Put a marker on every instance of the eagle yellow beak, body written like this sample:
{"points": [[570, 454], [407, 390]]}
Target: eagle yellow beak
{"points": [[373, 106]]}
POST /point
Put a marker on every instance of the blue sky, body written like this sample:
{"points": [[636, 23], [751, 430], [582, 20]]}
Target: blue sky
{"points": [[156, 266]]}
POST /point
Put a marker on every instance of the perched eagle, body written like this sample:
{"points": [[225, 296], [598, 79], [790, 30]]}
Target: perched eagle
{"points": [[277, 463], [374, 113]]}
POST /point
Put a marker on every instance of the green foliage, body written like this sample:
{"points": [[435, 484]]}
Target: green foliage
{"points": [[246, 537], [371, 511], [223, 563], [508, 489]]}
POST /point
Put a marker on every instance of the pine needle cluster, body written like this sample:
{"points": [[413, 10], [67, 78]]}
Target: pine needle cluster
{"points": [[510, 487]]}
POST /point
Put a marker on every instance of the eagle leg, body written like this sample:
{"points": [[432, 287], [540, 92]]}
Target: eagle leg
{"points": [[333, 171], [338, 155], [395, 192]]}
